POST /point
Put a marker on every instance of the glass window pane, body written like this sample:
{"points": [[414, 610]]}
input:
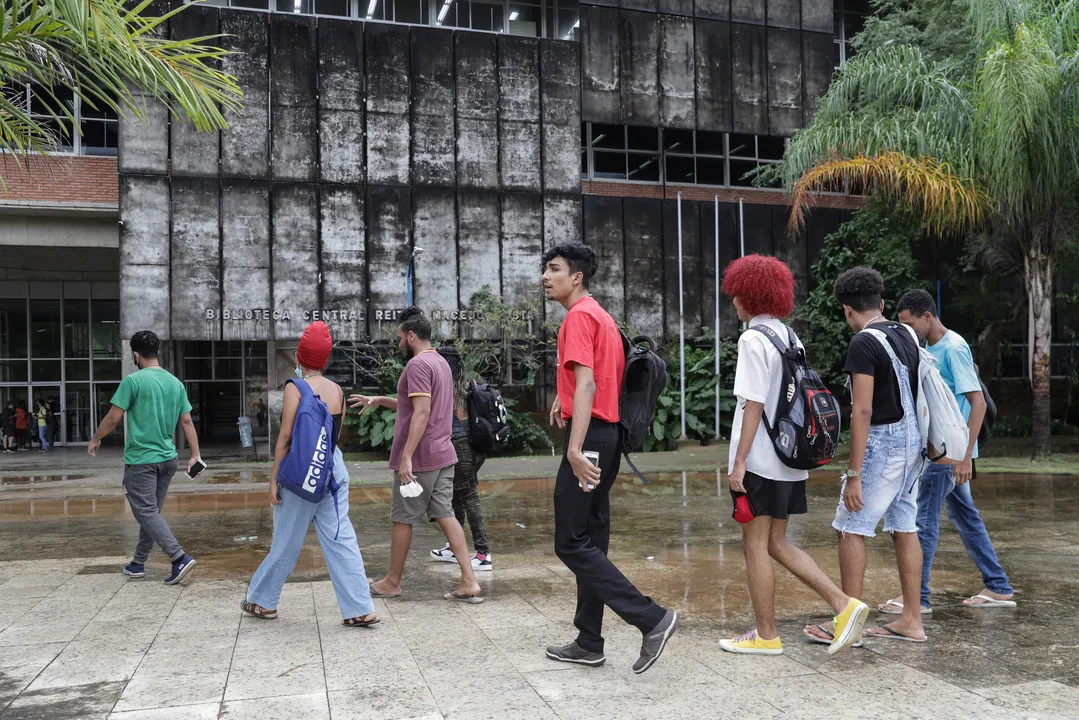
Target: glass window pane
{"points": [[44, 371], [332, 7], [294, 6], [584, 164], [445, 13], [252, 4], [771, 148], [525, 20], [609, 166], [12, 328], [198, 369], [229, 348], [77, 328], [13, 371], [107, 370], [45, 328], [409, 11], [228, 369], [644, 168], [738, 170], [462, 8], [609, 137], [568, 23], [77, 412], [742, 146], [642, 138], [78, 370], [487, 17], [680, 169], [105, 328], [710, 171], [678, 141], [709, 143], [103, 396]]}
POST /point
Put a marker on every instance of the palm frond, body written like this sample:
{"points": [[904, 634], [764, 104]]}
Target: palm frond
{"points": [[946, 201]]}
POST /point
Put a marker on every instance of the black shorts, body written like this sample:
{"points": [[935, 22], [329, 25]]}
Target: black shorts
{"points": [[774, 498]]}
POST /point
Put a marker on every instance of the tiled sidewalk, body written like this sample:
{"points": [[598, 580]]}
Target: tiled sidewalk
{"points": [[79, 640]]}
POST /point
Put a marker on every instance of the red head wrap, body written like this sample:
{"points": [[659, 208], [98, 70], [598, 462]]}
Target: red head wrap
{"points": [[315, 346]]}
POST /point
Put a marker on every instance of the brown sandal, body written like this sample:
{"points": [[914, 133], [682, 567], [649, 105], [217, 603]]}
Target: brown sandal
{"points": [[256, 611], [362, 621]]}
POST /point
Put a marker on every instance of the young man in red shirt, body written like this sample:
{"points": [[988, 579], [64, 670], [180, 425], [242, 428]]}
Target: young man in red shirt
{"points": [[591, 361]]}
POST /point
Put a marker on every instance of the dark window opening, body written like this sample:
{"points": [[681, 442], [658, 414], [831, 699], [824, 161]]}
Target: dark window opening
{"points": [[644, 168], [680, 169]]}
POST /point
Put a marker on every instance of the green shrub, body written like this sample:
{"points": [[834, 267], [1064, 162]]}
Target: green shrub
{"points": [[700, 396]]}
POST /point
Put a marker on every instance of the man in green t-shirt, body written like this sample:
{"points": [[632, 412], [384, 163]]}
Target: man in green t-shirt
{"points": [[153, 401]]}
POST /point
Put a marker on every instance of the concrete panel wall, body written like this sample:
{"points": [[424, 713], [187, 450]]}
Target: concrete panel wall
{"points": [[477, 110], [478, 233], [712, 9], [691, 266], [245, 256], [560, 76], [784, 82], [294, 255], [341, 101], [601, 75], [388, 93], [603, 230], [518, 79], [293, 97], [343, 260], [196, 258], [144, 254], [143, 144], [713, 66], [639, 61], [245, 143], [522, 247], [676, 7], [642, 219], [519, 156], [561, 158], [749, 72], [434, 224], [748, 11], [818, 15], [818, 51], [561, 219], [677, 70], [389, 243], [193, 152], [433, 90], [784, 13]]}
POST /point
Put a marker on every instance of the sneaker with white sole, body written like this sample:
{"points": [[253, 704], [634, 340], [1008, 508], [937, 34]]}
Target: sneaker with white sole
{"points": [[443, 554], [135, 570], [574, 653], [484, 565], [180, 569]]}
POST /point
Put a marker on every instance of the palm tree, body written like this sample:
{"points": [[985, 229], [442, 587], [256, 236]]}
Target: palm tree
{"points": [[996, 153], [109, 54]]}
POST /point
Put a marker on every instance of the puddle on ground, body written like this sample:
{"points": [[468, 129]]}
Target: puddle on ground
{"points": [[39, 479], [244, 477]]}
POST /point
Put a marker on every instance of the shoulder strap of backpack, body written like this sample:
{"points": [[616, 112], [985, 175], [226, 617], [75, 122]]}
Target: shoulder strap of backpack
{"points": [[633, 467], [302, 386], [771, 335]]}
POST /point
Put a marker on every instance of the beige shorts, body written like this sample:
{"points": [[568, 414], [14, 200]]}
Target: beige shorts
{"points": [[436, 499]]}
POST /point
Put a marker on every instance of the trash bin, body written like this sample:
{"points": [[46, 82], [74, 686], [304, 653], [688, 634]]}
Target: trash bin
{"points": [[246, 438]]}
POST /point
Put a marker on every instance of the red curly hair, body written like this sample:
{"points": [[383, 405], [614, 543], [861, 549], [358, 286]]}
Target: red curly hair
{"points": [[763, 285]]}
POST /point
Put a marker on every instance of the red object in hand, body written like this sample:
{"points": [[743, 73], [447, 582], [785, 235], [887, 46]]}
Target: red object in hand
{"points": [[743, 511]]}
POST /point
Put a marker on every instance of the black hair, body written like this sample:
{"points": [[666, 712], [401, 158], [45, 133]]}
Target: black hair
{"points": [[413, 320], [860, 288], [580, 257], [146, 344], [917, 302]]}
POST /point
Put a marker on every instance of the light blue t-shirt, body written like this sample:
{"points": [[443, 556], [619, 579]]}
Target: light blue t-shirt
{"points": [[956, 366]]}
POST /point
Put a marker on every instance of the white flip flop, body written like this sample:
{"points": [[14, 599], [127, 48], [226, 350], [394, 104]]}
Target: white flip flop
{"points": [[990, 602], [895, 607], [817, 639]]}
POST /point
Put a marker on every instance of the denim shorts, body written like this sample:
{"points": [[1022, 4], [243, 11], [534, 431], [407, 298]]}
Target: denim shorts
{"points": [[890, 472]]}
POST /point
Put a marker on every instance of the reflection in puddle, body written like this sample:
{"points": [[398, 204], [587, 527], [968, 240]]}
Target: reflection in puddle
{"points": [[244, 477], [37, 479]]}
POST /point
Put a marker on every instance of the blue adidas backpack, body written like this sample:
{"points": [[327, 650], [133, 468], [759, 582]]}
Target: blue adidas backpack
{"points": [[307, 470]]}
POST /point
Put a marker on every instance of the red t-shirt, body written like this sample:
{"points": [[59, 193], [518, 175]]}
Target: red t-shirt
{"points": [[590, 337]]}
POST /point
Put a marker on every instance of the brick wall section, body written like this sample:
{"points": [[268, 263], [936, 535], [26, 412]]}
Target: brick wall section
{"points": [[60, 179], [726, 195]]}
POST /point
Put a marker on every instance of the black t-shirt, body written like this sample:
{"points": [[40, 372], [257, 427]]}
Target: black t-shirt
{"points": [[867, 357]]}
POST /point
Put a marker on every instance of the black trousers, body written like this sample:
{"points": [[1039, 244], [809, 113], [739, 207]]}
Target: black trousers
{"points": [[582, 533]]}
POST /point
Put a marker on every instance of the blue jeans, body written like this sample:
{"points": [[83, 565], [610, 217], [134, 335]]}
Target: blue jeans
{"points": [[42, 430], [343, 559], [938, 488]]}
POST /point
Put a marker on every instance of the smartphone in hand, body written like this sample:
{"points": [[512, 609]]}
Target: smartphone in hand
{"points": [[196, 469], [593, 457]]}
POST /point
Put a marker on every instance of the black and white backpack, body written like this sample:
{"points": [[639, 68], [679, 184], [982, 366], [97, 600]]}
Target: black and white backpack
{"points": [[643, 382], [805, 433], [489, 425]]}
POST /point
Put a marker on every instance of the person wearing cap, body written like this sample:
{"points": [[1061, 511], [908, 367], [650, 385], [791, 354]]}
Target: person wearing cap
{"points": [[292, 515]]}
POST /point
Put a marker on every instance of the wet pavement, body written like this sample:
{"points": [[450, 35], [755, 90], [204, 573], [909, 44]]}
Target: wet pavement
{"points": [[77, 639]]}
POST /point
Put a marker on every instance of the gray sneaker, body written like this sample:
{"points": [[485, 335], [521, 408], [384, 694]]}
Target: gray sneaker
{"points": [[574, 653], [655, 641]]}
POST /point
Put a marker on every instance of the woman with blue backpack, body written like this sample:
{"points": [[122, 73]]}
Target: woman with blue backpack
{"points": [[309, 467]]}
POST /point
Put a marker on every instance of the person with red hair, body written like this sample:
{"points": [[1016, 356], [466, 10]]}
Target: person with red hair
{"points": [[765, 491]]}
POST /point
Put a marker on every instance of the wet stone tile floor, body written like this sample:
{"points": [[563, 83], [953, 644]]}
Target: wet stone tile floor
{"points": [[80, 640]]}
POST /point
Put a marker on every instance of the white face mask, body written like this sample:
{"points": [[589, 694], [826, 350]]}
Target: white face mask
{"points": [[299, 372]]}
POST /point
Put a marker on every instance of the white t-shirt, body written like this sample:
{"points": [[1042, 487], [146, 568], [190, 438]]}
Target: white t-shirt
{"points": [[759, 377]]}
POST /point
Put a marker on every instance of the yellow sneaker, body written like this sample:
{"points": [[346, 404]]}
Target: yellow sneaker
{"points": [[750, 644], [848, 625]]}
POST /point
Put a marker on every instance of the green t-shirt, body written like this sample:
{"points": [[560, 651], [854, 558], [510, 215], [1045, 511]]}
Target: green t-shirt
{"points": [[154, 400]]}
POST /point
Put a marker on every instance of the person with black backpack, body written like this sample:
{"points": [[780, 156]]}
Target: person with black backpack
{"points": [[786, 422], [591, 365], [466, 499]]}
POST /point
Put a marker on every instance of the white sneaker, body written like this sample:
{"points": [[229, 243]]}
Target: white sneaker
{"points": [[482, 565], [443, 554]]}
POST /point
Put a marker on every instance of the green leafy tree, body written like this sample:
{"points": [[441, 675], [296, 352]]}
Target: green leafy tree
{"points": [[941, 29], [997, 154], [110, 54]]}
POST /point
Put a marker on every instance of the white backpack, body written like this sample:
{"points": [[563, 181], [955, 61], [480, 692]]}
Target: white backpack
{"points": [[940, 421]]}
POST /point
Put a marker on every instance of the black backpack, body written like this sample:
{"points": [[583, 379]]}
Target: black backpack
{"points": [[489, 427], [806, 430], [643, 382], [990, 414]]}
